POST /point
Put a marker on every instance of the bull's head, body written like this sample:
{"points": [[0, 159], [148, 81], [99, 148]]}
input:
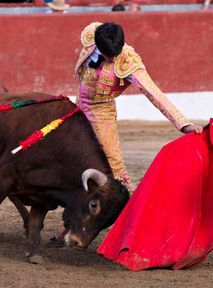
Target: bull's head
{"points": [[99, 207]]}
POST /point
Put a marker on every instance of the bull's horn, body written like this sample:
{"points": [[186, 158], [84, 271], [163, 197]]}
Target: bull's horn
{"points": [[99, 177], [67, 239]]}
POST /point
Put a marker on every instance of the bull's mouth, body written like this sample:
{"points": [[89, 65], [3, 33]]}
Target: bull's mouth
{"points": [[75, 240]]}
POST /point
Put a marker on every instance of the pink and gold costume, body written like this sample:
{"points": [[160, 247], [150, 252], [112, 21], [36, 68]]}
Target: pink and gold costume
{"points": [[99, 88]]}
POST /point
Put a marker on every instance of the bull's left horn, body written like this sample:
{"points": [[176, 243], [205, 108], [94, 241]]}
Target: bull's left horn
{"points": [[96, 175]]}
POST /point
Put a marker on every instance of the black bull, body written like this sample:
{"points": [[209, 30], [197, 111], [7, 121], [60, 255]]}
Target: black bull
{"points": [[49, 173]]}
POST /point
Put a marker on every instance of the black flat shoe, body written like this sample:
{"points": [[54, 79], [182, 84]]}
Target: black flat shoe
{"points": [[55, 242]]}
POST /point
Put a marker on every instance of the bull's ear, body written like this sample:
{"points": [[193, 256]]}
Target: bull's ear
{"points": [[92, 186]]}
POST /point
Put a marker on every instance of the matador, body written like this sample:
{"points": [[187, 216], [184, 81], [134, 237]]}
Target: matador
{"points": [[106, 67]]}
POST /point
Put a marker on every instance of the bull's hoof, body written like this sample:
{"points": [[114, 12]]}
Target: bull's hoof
{"points": [[36, 259], [55, 242]]}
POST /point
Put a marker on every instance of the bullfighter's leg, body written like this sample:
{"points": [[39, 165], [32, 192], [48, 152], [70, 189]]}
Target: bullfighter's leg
{"points": [[103, 118], [36, 220], [22, 211]]}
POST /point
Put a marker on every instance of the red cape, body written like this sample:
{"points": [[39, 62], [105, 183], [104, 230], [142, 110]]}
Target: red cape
{"points": [[168, 222]]}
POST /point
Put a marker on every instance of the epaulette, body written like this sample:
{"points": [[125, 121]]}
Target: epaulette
{"points": [[127, 62], [87, 35]]}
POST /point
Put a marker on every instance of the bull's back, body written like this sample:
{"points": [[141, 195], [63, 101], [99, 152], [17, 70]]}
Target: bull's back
{"points": [[57, 161], [18, 124]]}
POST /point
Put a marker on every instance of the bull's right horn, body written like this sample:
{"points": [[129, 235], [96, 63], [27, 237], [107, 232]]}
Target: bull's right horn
{"points": [[96, 175]]}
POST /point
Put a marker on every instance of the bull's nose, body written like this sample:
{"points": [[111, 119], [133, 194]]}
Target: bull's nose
{"points": [[80, 248], [77, 242]]}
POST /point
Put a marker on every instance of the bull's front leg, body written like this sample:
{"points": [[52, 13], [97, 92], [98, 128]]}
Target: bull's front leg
{"points": [[3, 195], [22, 211], [36, 220]]}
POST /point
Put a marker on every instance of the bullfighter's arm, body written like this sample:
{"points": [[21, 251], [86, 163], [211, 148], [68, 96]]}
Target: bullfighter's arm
{"points": [[141, 79]]}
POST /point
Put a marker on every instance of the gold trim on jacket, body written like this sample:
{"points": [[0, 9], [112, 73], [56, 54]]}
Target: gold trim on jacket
{"points": [[125, 63]]}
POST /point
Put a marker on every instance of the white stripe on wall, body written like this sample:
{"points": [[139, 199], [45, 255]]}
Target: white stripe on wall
{"points": [[195, 106]]}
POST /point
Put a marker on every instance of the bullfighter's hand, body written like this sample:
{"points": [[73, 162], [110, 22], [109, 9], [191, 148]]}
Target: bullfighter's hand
{"points": [[190, 128]]}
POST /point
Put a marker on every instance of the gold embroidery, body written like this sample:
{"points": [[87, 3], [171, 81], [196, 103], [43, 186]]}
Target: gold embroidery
{"points": [[115, 94], [103, 90], [122, 82], [127, 62], [106, 80], [88, 77], [108, 67], [87, 35], [85, 52], [103, 98], [108, 136]]}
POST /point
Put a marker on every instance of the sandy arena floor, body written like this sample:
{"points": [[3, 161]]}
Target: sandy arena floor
{"points": [[70, 268]]}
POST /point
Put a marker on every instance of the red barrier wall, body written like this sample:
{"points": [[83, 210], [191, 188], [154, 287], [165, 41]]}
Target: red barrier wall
{"points": [[39, 51], [112, 2], [101, 2]]}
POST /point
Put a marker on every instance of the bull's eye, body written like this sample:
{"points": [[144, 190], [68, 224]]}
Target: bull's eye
{"points": [[95, 206]]}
